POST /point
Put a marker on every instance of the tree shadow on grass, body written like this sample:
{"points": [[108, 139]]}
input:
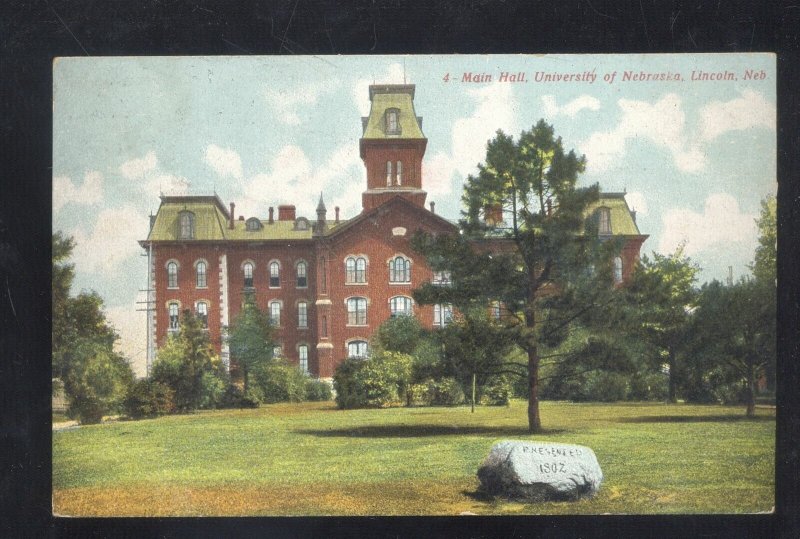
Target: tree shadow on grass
{"points": [[419, 431], [694, 418]]}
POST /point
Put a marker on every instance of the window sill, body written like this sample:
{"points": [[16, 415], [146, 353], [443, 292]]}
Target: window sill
{"points": [[302, 327], [357, 325], [201, 288], [356, 284], [173, 288], [400, 283]]}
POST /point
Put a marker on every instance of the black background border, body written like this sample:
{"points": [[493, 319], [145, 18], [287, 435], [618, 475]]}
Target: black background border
{"points": [[33, 33]]}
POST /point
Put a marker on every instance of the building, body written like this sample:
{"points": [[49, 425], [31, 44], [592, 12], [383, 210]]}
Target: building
{"points": [[327, 283]]}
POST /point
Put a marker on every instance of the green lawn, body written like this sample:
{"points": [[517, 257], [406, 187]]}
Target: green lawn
{"points": [[312, 459]]}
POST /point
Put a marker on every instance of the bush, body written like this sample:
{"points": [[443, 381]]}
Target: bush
{"points": [[280, 382], [235, 397], [97, 384], [318, 390], [421, 394], [148, 398], [648, 387], [602, 386], [448, 392], [498, 392], [380, 381], [212, 391]]}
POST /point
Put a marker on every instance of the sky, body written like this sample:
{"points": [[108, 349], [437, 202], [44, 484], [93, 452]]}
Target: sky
{"points": [[695, 157]]}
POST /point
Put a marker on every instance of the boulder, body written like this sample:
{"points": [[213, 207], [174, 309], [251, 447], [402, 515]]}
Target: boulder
{"points": [[540, 471]]}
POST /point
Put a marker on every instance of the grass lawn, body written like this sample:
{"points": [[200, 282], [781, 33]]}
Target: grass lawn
{"points": [[312, 459]]}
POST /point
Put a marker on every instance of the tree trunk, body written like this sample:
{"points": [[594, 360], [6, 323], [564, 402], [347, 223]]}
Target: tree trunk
{"points": [[751, 391], [671, 396], [473, 393], [534, 421]]}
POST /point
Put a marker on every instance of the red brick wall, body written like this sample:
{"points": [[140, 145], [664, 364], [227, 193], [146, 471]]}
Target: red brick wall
{"points": [[377, 153]]}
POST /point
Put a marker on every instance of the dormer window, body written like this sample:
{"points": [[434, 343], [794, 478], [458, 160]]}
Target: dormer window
{"points": [[301, 223], [253, 224], [604, 221], [392, 122], [185, 225]]}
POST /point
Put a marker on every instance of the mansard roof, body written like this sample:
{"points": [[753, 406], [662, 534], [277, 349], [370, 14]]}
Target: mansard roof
{"points": [[385, 97], [622, 220]]}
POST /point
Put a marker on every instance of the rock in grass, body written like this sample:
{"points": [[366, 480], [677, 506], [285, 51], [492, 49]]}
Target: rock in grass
{"points": [[538, 471]]}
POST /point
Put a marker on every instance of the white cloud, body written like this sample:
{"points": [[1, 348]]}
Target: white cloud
{"points": [[130, 324], [572, 108], [637, 201], [137, 169], [749, 110], [720, 224], [224, 161], [288, 102], [393, 75], [112, 241], [90, 192], [663, 123]]}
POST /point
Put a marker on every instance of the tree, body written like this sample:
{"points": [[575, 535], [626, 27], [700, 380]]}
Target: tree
{"points": [[250, 339], [764, 264], [95, 377], [545, 267], [663, 298]]}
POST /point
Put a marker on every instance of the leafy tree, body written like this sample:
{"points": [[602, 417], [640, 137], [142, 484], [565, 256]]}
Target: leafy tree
{"points": [[764, 265], [95, 377], [663, 297], [250, 339], [545, 265]]}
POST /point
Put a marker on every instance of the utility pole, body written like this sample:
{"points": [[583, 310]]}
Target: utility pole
{"points": [[149, 308]]}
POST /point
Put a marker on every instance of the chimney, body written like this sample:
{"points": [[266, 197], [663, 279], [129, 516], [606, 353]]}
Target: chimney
{"points": [[336, 209], [286, 212], [433, 207], [493, 214], [232, 218], [271, 211]]}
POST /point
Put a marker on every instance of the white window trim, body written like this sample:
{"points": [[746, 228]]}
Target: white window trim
{"points": [[347, 312], [355, 257], [296, 264], [409, 298]]}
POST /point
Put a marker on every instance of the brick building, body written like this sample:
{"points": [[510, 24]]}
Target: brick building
{"points": [[328, 282]]}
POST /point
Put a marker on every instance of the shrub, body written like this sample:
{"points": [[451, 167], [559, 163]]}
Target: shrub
{"points": [[97, 384], [235, 397], [212, 391], [448, 392], [317, 390], [648, 387], [421, 394], [280, 382], [602, 386], [382, 380], [148, 398], [498, 392]]}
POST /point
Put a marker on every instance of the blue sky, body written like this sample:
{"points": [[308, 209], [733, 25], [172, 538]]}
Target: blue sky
{"points": [[695, 157]]}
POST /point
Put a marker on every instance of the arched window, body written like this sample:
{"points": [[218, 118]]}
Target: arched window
{"points": [[400, 270], [247, 268], [388, 173], [442, 314], [357, 349], [355, 270], [200, 269], [357, 312], [302, 314], [302, 352], [302, 278], [253, 224], [186, 225], [174, 323], [275, 313], [618, 270], [392, 124], [201, 310], [604, 221], [496, 310], [399, 173], [401, 306], [172, 275], [274, 275], [277, 351]]}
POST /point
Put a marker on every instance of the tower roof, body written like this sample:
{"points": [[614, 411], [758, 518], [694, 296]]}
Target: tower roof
{"points": [[392, 98], [321, 205]]}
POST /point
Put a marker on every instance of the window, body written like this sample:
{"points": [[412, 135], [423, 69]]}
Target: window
{"points": [[202, 313], [399, 173], [302, 279], [200, 268], [388, 173], [324, 329], [357, 349], [248, 274], [618, 270], [496, 310], [605, 221], [302, 352], [355, 270], [392, 125], [274, 275], [400, 270], [186, 224], [253, 224], [275, 313], [173, 317], [277, 351], [357, 312], [401, 306], [302, 314], [442, 314], [441, 278], [172, 275]]}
